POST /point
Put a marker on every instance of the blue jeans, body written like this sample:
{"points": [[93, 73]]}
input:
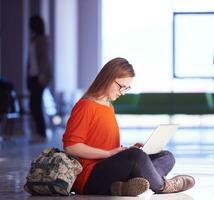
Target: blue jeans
{"points": [[128, 164]]}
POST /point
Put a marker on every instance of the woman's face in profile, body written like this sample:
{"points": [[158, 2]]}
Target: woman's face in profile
{"points": [[119, 87]]}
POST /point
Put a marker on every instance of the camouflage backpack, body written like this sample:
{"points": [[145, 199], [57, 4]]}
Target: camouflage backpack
{"points": [[53, 172]]}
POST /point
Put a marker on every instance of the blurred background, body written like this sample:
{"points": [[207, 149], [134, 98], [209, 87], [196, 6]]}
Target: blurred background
{"points": [[169, 43]]}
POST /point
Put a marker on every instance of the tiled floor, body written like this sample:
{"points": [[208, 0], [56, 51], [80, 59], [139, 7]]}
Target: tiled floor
{"points": [[195, 159]]}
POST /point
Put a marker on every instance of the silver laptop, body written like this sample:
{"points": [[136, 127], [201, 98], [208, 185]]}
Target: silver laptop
{"points": [[159, 138]]}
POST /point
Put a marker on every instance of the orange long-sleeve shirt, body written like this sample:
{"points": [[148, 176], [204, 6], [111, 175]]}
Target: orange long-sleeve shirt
{"points": [[94, 125]]}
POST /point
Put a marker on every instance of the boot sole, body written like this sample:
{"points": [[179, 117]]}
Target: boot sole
{"points": [[132, 187]]}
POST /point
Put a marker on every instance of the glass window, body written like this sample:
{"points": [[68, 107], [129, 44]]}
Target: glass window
{"points": [[193, 44], [141, 31]]}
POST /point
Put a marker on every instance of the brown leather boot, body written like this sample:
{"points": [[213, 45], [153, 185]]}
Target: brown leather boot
{"points": [[132, 187], [178, 184]]}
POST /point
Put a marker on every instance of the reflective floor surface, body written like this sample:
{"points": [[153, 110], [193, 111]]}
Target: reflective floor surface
{"points": [[194, 158]]}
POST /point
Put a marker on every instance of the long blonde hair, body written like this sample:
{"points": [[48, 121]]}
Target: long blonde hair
{"points": [[115, 68]]}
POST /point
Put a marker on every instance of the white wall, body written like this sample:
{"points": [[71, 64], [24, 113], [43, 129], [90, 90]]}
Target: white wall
{"points": [[89, 32], [77, 46], [66, 47]]}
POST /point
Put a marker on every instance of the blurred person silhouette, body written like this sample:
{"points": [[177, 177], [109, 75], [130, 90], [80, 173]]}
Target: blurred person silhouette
{"points": [[38, 72]]}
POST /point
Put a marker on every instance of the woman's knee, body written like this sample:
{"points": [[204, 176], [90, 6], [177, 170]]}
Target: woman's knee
{"points": [[169, 156]]}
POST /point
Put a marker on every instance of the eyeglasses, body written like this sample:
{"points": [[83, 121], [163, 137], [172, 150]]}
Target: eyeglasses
{"points": [[123, 88]]}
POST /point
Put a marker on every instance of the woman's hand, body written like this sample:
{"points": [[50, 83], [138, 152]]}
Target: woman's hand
{"points": [[137, 145], [117, 150]]}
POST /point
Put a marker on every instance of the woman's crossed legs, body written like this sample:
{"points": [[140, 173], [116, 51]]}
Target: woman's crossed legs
{"points": [[129, 164]]}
